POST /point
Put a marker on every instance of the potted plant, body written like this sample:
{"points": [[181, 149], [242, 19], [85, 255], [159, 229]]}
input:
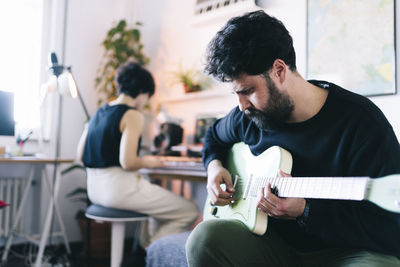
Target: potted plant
{"points": [[100, 233], [190, 79], [122, 44]]}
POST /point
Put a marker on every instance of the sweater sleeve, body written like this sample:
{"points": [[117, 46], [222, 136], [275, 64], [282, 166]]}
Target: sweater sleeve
{"points": [[220, 137], [361, 224]]}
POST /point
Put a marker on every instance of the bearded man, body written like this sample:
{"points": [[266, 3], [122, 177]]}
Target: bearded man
{"points": [[328, 130]]}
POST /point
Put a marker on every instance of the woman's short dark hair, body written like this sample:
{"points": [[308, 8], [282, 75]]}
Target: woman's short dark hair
{"points": [[249, 44], [132, 79]]}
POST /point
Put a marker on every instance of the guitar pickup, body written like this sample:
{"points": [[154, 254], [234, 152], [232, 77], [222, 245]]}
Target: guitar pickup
{"points": [[247, 188]]}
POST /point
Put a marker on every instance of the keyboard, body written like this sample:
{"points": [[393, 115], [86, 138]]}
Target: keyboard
{"points": [[182, 163]]}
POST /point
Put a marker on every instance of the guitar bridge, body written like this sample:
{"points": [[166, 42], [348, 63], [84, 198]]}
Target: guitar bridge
{"points": [[247, 188]]}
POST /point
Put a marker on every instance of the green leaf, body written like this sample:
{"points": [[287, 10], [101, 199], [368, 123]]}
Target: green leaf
{"points": [[111, 32], [136, 34], [77, 192], [121, 25], [72, 167], [80, 199]]}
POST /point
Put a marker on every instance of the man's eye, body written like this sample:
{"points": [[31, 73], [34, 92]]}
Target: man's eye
{"points": [[245, 92]]}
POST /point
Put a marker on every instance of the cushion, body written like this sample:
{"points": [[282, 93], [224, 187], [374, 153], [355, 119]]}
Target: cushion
{"points": [[168, 251]]}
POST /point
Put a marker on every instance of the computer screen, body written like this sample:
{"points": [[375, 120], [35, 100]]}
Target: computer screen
{"points": [[7, 123], [202, 125]]}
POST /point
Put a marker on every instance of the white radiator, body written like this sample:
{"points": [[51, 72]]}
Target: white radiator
{"points": [[11, 189]]}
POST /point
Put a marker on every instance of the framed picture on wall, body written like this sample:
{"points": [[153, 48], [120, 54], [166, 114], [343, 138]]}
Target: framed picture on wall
{"points": [[352, 44]]}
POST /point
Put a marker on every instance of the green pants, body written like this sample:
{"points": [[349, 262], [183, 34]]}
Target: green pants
{"points": [[229, 243]]}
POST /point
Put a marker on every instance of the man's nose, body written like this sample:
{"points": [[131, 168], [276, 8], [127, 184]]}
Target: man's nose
{"points": [[244, 103]]}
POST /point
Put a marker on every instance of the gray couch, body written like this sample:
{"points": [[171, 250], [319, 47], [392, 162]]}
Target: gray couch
{"points": [[168, 251]]}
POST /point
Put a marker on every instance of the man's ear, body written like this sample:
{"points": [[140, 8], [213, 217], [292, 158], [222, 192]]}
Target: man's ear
{"points": [[279, 68]]}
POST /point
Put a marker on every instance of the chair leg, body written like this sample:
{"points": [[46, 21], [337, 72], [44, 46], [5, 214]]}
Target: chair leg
{"points": [[117, 243]]}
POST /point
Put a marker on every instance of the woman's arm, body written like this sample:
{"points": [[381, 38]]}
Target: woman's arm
{"points": [[131, 127], [81, 144]]}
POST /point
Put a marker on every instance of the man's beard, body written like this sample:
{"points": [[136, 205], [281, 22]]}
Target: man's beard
{"points": [[275, 113]]}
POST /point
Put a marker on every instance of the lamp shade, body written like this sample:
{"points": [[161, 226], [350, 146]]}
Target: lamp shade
{"points": [[67, 85], [62, 81]]}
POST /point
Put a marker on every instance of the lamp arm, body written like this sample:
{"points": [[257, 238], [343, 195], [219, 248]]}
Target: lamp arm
{"points": [[79, 94], [83, 105]]}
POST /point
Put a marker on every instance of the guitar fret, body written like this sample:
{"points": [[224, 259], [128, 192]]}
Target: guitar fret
{"points": [[284, 187], [291, 188], [308, 187], [313, 188], [280, 184], [275, 181], [325, 188], [299, 188]]}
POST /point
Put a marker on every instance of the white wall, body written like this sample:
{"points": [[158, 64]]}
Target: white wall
{"points": [[87, 24], [169, 39]]}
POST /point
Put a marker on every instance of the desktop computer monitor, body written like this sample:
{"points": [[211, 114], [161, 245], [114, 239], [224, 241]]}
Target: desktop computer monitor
{"points": [[7, 123]]}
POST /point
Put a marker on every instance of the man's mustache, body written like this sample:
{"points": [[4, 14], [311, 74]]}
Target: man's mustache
{"points": [[251, 112]]}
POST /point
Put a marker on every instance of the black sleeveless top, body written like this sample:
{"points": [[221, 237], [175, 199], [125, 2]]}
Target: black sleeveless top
{"points": [[104, 136]]}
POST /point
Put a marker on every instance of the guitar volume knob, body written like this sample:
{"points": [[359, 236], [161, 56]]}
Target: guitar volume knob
{"points": [[213, 210]]}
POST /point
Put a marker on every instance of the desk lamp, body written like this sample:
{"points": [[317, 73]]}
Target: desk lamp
{"points": [[63, 76], [64, 85]]}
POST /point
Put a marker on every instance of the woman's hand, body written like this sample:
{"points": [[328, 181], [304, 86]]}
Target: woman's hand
{"points": [[280, 208], [216, 176]]}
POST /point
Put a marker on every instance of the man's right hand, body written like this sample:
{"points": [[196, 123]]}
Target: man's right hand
{"points": [[217, 175]]}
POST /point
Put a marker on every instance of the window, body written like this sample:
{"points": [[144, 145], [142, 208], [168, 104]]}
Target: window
{"points": [[20, 53]]}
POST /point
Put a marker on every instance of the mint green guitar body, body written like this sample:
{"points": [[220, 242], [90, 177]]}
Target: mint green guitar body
{"points": [[242, 162]]}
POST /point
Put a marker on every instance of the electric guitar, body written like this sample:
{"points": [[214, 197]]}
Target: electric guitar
{"points": [[252, 173]]}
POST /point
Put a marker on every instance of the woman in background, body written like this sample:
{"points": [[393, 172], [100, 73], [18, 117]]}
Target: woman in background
{"points": [[109, 149]]}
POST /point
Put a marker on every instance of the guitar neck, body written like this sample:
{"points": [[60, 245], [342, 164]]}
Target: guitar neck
{"points": [[346, 188]]}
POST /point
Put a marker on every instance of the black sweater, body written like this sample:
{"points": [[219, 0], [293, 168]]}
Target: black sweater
{"points": [[349, 136]]}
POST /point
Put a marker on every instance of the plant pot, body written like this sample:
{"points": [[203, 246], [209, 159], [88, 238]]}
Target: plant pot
{"points": [[192, 88], [100, 237]]}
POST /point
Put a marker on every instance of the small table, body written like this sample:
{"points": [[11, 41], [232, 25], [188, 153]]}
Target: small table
{"points": [[53, 189]]}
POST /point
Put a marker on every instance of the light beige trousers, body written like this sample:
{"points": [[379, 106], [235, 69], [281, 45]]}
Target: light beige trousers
{"points": [[116, 188]]}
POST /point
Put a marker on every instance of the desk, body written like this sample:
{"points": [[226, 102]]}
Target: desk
{"points": [[53, 205], [180, 171]]}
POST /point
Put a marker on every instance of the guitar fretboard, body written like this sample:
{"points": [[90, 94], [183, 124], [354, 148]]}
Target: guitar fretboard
{"points": [[346, 188]]}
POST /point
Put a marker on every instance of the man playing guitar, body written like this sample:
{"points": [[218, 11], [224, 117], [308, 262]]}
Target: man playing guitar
{"points": [[328, 130]]}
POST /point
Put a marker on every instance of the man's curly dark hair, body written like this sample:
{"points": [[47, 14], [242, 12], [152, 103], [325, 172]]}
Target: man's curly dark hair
{"points": [[249, 44], [132, 79]]}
